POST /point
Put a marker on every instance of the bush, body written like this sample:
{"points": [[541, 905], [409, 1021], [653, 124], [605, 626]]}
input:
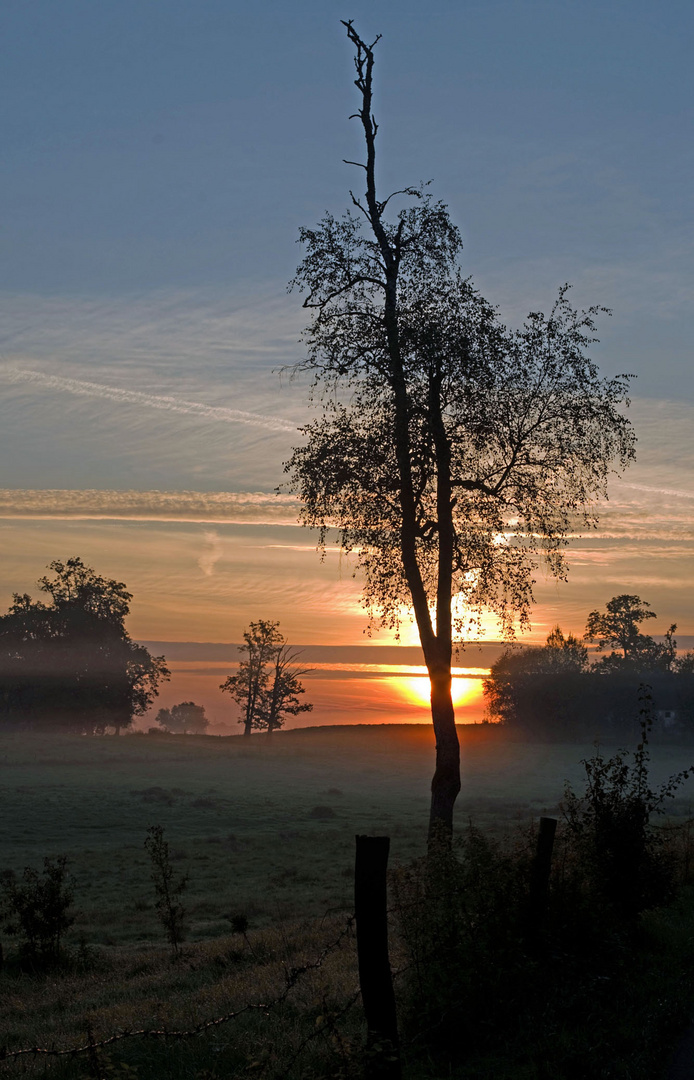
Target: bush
{"points": [[488, 990], [36, 909], [623, 858], [462, 917]]}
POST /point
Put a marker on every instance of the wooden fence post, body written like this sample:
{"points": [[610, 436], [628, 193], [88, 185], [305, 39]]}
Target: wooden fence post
{"points": [[375, 978], [539, 874]]}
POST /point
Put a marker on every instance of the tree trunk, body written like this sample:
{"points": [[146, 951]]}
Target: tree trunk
{"points": [[247, 726], [445, 784]]}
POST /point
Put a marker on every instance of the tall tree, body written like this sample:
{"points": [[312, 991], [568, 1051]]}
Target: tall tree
{"points": [[451, 452], [71, 664]]}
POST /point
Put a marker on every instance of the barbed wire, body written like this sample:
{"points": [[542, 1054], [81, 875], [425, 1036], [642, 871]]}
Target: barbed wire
{"points": [[292, 977], [329, 1025]]}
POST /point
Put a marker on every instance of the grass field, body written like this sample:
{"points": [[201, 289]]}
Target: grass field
{"points": [[264, 828]]}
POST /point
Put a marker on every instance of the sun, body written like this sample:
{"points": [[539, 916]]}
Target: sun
{"points": [[417, 690]]}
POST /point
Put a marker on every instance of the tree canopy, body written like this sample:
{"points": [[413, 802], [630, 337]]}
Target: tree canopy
{"points": [[450, 452], [618, 627], [70, 664]]}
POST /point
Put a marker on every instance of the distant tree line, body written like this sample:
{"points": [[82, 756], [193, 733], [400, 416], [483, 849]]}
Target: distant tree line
{"points": [[553, 690], [69, 664]]}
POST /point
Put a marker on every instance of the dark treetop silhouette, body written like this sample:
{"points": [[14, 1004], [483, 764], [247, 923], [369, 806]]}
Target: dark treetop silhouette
{"points": [[71, 664], [451, 452]]}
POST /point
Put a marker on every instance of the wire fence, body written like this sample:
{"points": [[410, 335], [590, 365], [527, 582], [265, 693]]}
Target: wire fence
{"points": [[293, 977]]}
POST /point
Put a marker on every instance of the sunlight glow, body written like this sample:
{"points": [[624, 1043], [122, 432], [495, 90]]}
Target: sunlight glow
{"points": [[416, 689]]}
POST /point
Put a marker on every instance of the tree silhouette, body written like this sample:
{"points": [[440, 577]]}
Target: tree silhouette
{"points": [[618, 625], [71, 664], [284, 689], [248, 686], [451, 452], [186, 718], [267, 686]]}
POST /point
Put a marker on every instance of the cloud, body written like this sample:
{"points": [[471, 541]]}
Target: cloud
{"points": [[677, 493], [209, 558], [223, 507], [81, 388]]}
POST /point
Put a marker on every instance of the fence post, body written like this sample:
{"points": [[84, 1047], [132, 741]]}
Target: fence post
{"points": [[375, 978], [539, 874]]}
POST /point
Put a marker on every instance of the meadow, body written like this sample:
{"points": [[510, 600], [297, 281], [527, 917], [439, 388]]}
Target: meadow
{"points": [[263, 827], [265, 830]]}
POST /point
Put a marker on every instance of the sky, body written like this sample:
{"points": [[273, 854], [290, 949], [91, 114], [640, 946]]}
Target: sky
{"points": [[159, 158]]}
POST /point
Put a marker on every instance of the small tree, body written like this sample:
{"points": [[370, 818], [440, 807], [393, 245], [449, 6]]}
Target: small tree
{"points": [[281, 697], [187, 718], [36, 908], [167, 886], [451, 453], [247, 687]]}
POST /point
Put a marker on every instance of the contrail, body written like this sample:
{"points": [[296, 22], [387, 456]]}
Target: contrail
{"points": [[659, 491], [152, 401]]}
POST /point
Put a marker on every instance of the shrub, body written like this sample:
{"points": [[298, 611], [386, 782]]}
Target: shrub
{"points": [[623, 858], [462, 916], [36, 908]]}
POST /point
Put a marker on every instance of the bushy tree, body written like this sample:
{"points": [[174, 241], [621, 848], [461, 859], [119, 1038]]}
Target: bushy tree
{"points": [[538, 688], [451, 452], [186, 718], [70, 664], [618, 627]]}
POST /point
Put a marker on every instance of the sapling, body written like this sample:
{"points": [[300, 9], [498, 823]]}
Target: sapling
{"points": [[168, 887]]}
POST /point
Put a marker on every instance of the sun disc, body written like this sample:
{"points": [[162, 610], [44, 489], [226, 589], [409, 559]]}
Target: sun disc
{"points": [[417, 689]]}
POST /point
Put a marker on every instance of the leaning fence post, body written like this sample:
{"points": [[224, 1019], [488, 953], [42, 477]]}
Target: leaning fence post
{"points": [[540, 872], [375, 978]]}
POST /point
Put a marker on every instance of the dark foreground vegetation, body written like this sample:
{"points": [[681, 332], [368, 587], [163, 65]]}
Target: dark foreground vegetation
{"points": [[600, 986]]}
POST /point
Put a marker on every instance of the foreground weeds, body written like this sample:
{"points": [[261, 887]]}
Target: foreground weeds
{"points": [[483, 998], [130, 990]]}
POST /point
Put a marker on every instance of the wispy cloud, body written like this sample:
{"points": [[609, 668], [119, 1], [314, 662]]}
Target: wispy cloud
{"points": [[223, 507], [675, 492], [81, 388], [212, 554]]}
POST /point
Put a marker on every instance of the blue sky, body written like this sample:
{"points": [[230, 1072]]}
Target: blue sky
{"points": [[159, 157]]}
